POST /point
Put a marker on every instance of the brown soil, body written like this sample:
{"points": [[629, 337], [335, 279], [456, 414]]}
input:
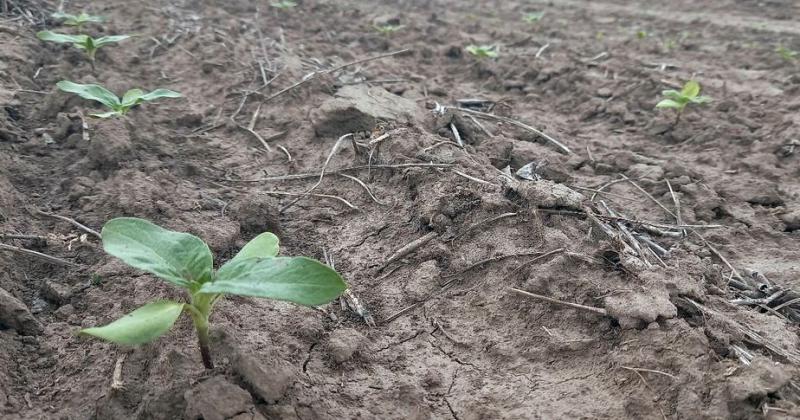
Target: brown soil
{"points": [[451, 339]]}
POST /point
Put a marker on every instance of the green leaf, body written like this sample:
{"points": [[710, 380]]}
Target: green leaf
{"points": [[533, 17], [669, 103], [482, 51], [61, 38], [79, 20], [177, 257], [85, 17], [160, 93], [106, 114], [691, 89], [140, 326], [671, 94], [91, 92], [132, 97], [62, 15], [262, 246], [701, 99], [110, 39], [295, 279]]}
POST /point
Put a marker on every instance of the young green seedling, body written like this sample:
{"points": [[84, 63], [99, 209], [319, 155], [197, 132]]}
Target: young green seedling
{"points": [[533, 17], [118, 106], [77, 20], [86, 43], [690, 94], [284, 4], [482, 51], [786, 53], [186, 261], [388, 29]]}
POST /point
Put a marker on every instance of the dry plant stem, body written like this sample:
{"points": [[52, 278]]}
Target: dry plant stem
{"points": [[411, 247], [631, 221], [788, 354], [333, 151], [472, 178], [401, 313], [307, 78], [45, 257], [628, 235], [355, 304], [787, 303], [599, 311], [524, 126], [116, 380], [84, 128], [333, 197], [644, 381], [604, 186], [649, 196], [257, 136], [476, 122], [366, 188], [482, 223], [456, 135], [722, 258], [677, 203], [335, 171], [503, 257], [71, 221], [648, 370], [540, 257]]}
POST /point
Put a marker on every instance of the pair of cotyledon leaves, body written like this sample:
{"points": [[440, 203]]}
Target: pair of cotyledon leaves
{"points": [[482, 51], [690, 93], [119, 106], [83, 42], [77, 20], [186, 261]]}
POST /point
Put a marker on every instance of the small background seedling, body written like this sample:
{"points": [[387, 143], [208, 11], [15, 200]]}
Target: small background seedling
{"points": [[118, 106], [786, 53], [388, 29], [533, 17], [482, 51], [284, 4], [689, 94], [77, 20], [85, 43], [640, 34], [186, 261]]}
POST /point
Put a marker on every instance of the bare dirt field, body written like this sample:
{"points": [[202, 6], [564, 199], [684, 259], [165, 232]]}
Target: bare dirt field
{"points": [[546, 169]]}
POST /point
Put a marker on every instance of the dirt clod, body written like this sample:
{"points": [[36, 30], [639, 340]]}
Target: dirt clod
{"points": [[15, 314], [357, 108], [548, 194], [344, 343], [217, 399], [269, 380]]}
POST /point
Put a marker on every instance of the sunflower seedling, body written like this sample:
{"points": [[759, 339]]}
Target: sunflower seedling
{"points": [[85, 43], [689, 94], [533, 17], [118, 106], [77, 20], [786, 53], [388, 28], [186, 261], [284, 4], [482, 51]]}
